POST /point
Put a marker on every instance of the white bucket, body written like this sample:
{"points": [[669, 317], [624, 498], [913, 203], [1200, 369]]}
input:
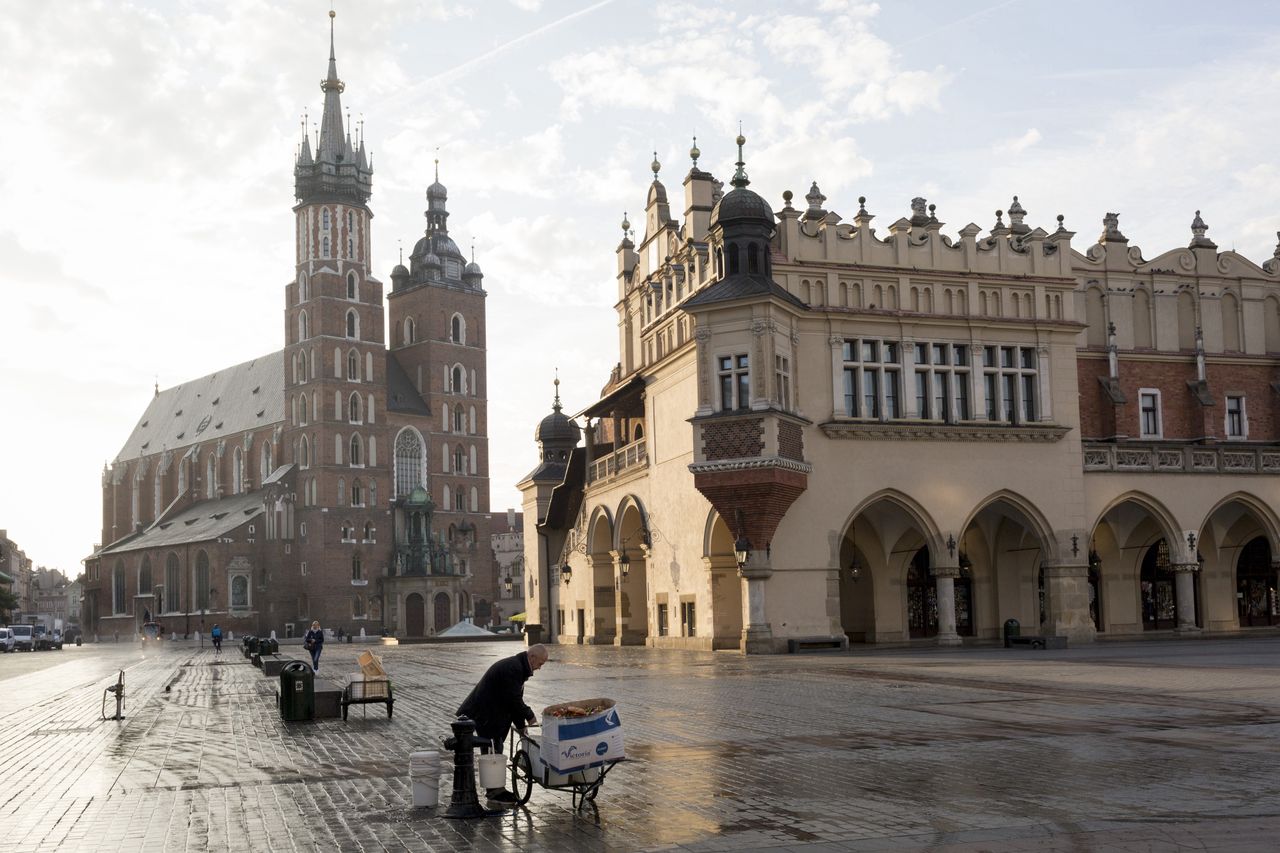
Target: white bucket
{"points": [[493, 770], [424, 778]]}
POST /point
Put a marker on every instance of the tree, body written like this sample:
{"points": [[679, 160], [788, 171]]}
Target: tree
{"points": [[8, 601]]}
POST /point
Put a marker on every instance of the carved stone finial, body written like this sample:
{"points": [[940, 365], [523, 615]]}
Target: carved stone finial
{"points": [[1061, 219], [1016, 214], [918, 215], [999, 228], [1198, 229], [862, 209], [932, 217], [1111, 230], [815, 199], [787, 195]]}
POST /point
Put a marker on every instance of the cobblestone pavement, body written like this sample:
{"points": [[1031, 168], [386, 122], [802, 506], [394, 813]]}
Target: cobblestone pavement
{"points": [[1137, 747]]}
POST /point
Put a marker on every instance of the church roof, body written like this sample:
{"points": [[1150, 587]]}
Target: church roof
{"points": [[402, 396], [202, 522], [243, 397]]}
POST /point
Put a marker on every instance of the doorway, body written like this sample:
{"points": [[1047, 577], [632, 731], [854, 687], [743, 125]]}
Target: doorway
{"points": [[415, 615]]}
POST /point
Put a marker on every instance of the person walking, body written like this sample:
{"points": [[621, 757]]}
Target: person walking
{"points": [[314, 643], [216, 636], [497, 702]]}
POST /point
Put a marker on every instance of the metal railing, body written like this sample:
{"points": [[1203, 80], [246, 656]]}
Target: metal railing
{"points": [[632, 455]]}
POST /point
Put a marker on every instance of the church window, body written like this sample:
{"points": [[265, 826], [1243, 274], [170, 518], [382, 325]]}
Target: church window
{"points": [[474, 428], [444, 462], [351, 249], [408, 331], [353, 366], [304, 453], [157, 494], [445, 413], [368, 531], [357, 574], [353, 325], [373, 493], [324, 219], [324, 247], [445, 503], [202, 580], [472, 468], [370, 409], [144, 577], [302, 287], [210, 478], [358, 608], [171, 590], [182, 476], [265, 467], [456, 379], [342, 491], [357, 450], [732, 251], [459, 420], [353, 407], [475, 499], [351, 285], [240, 591], [346, 532], [459, 460], [458, 329], [753, 258], [460, 500], [237, 471], [302, 326], [117, 588], [357, 493], [473, 385], [351, 220]]}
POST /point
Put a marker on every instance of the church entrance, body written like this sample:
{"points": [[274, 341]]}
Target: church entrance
{"points": [[415, 615], [440, 618]]}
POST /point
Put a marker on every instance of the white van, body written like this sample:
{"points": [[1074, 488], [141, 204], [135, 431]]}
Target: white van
{"points": [[6, 640], [24, 637]]}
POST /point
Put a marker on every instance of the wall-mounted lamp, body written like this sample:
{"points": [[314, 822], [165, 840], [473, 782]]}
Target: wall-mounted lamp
{"points": [[566, 573], [624, 564], [742, 550], [507, 585], [1095, 562]]}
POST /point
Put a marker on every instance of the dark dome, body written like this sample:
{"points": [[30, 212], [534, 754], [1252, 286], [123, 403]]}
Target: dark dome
{"points": [[557, 428], [472, 269], [742, 205], [399, 270], [437, 190]]}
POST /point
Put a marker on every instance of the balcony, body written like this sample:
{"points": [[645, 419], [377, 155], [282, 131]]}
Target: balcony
{"points": [[633, 456], [1181, 458]]}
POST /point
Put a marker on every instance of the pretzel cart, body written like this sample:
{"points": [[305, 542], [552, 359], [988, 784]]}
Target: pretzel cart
{"points": [[579, 744]]}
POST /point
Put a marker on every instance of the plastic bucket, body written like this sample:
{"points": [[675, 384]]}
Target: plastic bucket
{"points": [[424, 778], [493, 770]]}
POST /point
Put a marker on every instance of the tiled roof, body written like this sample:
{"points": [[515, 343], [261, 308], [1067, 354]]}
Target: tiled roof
{"points": [[401, 395], [741, 286], [202, 522], [235, 399]]}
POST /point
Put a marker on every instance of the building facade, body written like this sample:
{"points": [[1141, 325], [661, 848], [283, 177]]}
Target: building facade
{"points": [[507, 543], [816, 434], [343, 478]]}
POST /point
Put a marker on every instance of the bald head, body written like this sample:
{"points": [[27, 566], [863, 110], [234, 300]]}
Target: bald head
{"points": [[537, 656]]}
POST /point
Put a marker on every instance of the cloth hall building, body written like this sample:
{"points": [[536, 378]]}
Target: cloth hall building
{"points": [[820, 434], [342, 478]]}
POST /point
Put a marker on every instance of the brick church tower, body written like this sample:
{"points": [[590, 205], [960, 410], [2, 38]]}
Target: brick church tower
{"points": [[335, 376], [438, 330]]}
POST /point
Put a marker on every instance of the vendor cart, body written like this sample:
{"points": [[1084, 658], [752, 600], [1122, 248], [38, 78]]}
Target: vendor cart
{"points": [[528, 768]]}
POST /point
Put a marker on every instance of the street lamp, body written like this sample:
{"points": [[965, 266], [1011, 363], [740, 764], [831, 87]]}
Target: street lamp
{"points": [[507, 585], [566, 573], [624, 564], [742, 550]]}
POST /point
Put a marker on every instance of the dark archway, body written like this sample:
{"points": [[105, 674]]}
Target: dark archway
{"points": [[415, 615], [1159, 597], [440, 616], [1256, 585]]}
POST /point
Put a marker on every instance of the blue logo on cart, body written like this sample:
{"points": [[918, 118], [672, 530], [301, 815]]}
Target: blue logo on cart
{"points": [[573, 731], [602, 747]]}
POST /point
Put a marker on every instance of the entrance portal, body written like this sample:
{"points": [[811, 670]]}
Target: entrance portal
{"points": [[415, 615], [440, 618]]}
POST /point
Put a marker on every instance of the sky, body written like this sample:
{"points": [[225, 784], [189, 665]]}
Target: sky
{"points": [[146, 232]]}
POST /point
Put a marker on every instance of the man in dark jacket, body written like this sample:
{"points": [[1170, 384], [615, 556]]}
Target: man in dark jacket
{"points": [[497, 702]]}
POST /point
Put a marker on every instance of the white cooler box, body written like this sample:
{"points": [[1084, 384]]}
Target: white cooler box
{"points": [[574, 743]]}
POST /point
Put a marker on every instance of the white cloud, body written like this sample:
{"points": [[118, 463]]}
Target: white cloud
{"points": [[1022, 143]]}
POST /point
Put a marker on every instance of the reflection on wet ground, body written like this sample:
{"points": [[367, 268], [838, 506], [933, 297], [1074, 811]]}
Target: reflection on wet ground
{"points": [[1111, 746]]}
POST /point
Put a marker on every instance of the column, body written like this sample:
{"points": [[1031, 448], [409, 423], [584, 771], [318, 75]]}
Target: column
{"points": [[757, 633], [837, 376], [1066, 602], [944, 578], [1184, 590]]}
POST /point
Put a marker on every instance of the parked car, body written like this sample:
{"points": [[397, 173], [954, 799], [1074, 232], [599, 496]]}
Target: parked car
{"points": [[24, 637], [6, 640], [55, 640]]}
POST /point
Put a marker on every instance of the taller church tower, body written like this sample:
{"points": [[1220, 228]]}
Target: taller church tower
{"points": [[335, 374]]}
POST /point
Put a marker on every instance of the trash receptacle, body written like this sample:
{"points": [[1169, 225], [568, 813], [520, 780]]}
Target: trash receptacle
{"points": [[268, 647], [251, 647], [297, 692], [1012, 628]]}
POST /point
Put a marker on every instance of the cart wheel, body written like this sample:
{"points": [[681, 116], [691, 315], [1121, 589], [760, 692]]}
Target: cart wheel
{"points": [[522, 776]]}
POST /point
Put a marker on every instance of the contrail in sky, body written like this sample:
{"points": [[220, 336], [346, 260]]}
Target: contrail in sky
{"points": [[475, 62]]}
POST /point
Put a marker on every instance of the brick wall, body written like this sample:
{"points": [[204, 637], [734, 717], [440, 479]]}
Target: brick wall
{"points": [[736, 439], [790, 441]]}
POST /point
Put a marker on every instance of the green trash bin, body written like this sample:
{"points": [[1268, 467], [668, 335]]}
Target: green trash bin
{"points": [[297, 692], [1012, 628]]}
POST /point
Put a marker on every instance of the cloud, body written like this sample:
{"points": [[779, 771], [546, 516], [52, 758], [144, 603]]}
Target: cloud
{"points": [[1022, 143]]}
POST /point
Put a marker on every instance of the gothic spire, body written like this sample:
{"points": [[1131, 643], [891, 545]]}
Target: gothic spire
{"points": [[333, 146], [740, 176]]}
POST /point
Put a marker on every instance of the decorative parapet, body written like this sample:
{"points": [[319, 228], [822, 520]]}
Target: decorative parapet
{"points": [[1181, 459], [751, 464], [632, 457], [914, 431], [750, 434]]}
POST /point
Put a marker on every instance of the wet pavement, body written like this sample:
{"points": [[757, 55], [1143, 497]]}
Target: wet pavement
{"points": [[1148, 746]]}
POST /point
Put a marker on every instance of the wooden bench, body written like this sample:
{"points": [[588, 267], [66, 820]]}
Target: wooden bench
{"points": [[1034, 642], [817, 644], [368, 691]]}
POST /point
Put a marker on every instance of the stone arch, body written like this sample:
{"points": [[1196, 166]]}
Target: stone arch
{"points": [[630, 532], [909, 505], [1039, 524], [1265, 516], [1159, 512], [1120, 542], [1002, 547], [629, 502]]}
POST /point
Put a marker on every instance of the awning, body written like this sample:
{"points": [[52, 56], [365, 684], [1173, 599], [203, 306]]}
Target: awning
{"points": [[519, 617]]}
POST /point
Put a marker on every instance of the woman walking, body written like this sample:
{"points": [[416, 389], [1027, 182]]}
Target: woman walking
{"points": [[314, 643]]}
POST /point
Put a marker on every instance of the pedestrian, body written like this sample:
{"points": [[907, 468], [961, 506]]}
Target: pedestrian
{"points": [[314, 643], [497, 702], [216, 636]]}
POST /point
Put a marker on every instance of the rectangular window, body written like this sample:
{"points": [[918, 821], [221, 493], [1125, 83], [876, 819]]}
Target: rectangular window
{"points": [[891, 408], [735, 382], [662, 620], [922, 394], [1008, 402], [1237, 425], [1028, 398], [941, 396], [687, 618], [1149, 413], [962, 396], [870, 394], [851, 391], [782, 375]]}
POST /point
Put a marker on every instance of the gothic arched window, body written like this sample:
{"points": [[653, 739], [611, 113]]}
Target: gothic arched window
{"points": [[353, 407], [457, 379], [356, 451], [353, 325], [458, 329], [351, 278], [408, 467], [353, 366]]}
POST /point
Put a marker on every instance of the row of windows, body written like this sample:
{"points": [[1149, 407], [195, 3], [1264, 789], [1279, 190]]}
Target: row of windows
{"points": [[455, 380], [208, 489], [354, 448], [304, 287], [460, 423], [1235, 416], [461, 462], [456, 499], [168, 594], [350, 532], [304, 366], [457, 331], [326, 225], [352, 325]]}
